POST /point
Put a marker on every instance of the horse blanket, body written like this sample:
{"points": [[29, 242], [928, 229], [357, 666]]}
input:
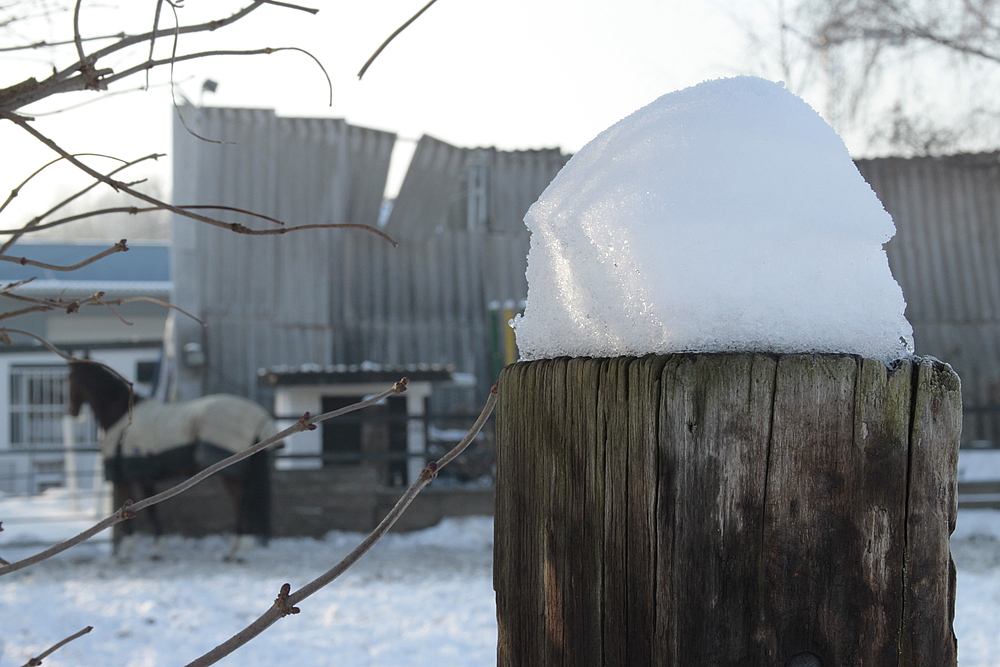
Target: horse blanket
{"points": [[229, 422]]}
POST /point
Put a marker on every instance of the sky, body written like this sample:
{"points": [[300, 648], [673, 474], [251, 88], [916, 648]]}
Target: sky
{"points": [[513, 74]]}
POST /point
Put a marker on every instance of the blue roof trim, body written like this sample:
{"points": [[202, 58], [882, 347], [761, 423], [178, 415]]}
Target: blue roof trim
{"points": [[139, 263]]}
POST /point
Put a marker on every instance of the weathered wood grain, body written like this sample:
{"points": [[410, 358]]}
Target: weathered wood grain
{"points": [[517, 565], [726, 510], [715, 415], [927, 637], [643, 399]]}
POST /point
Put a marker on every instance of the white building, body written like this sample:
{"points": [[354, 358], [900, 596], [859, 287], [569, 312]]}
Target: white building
{"points": [[33, 380]]}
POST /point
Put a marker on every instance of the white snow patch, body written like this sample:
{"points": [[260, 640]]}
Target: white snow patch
{"points": [[417, 599], [978, 465], [723, 217]]}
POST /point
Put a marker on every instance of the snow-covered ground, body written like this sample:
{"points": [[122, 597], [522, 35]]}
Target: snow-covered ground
{"points": [[424, 598]]}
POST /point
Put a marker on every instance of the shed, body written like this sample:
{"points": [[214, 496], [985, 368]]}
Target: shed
{"points": [[326, 296], [389, 437]]}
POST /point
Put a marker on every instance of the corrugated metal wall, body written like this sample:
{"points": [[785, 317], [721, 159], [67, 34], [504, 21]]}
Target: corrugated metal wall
{"points": [[346, 297], [339, 296], [436, 193], [267, 300], [946, 257]]}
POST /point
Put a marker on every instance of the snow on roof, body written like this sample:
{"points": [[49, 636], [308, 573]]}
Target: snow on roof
{"points": [[365, 372]]}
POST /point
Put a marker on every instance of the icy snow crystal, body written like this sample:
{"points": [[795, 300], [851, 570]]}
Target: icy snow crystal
{"points": [[724, 217]]}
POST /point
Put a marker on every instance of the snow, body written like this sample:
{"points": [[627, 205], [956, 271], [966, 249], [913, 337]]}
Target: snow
{"points": [[724, 217], [423, 598], [978, 465]]}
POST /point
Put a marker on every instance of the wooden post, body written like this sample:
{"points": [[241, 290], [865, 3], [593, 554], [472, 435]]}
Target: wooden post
{"points": [[726, 509]]}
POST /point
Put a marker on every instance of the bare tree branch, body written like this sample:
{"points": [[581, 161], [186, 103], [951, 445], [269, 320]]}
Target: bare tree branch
{"points": [[44, 45], [118, 185], [24, 261], [159, 302], [71, 78], [75, 305], [33, 223], [135, 210], [37, 660], [17, 190], [152, 38], [12, 286], [105, 96], [364, 68], [285, 603], [77, 39], [288, 5]]}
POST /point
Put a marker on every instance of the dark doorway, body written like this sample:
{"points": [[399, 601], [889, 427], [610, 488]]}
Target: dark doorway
{"points": [[375, 436], [341, 435]]}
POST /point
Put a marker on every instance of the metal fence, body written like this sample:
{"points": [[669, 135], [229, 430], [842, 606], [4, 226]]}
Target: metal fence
{"points": [[35, 469]]}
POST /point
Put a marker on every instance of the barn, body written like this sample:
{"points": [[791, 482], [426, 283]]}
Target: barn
{"points": [[312, 317]]}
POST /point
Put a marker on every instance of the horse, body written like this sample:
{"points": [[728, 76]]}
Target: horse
{"points": [[155, 441]]}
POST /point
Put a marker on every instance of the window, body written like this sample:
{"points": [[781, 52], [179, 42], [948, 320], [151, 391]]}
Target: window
{"points": [[146, 371], [38, 398]]}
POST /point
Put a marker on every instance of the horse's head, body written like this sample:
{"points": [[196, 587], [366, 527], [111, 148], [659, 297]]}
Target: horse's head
{"points": [[107, 394]]}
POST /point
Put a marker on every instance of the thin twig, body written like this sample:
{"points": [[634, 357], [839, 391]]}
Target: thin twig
{"points": [[135, 210], [24, 261], [76, 34], [67, 79], [49, 346], [160, 302], [328, 225], [82, 75], [152, 36], [24, 311], [173, 87], [285, 603], [37, 660], [41, 304], [70, 358], [17, 190], [391, 37], [45, 45], [32, 224], [116, 314], [129, 510], [288, 5], [101, 98], [11, 286], [267, 50]]}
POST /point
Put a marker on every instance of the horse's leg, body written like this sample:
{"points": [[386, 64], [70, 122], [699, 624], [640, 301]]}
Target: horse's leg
{"points": [[235, 479], [255, 505], [149, 489], [123, 541], [235, 486], [119, 494]]}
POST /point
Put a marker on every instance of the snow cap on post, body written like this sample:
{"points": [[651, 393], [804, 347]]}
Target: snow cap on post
{"points": [[724, 217]]}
